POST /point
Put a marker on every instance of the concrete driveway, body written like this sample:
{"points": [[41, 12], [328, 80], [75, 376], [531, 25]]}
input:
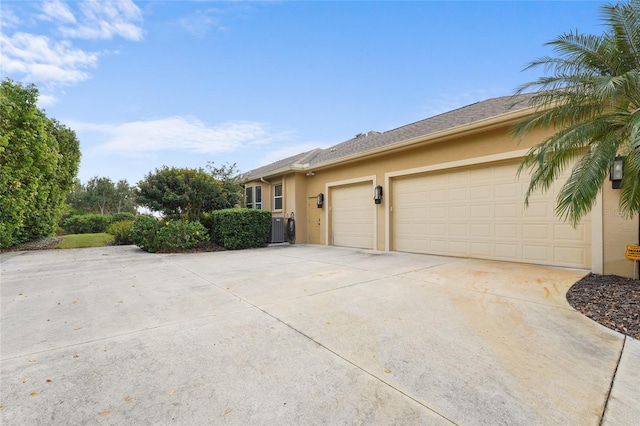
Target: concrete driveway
{"points": [[302, 335]]}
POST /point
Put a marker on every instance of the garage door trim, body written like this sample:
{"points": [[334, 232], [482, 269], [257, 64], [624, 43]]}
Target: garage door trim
{"points": [[596, 213], [436, 167]]}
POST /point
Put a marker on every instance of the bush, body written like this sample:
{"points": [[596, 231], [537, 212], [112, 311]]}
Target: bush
{"points": [[168, 236], [87, 224], [121, 232], [143, 232], [181, 234], [119, 217], [240, 228]]}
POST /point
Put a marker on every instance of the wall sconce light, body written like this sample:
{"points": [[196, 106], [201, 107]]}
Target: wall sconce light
{"points": [[320, 200], [616, 172], [377, 194]]}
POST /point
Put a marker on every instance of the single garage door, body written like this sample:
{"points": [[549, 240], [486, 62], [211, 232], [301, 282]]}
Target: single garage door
{"points": [[479, 212], [352, 211]]}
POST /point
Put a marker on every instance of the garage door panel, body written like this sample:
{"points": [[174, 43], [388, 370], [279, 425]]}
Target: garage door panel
{"points": [[507, 251], [534, 254], [459, 212], [480, 213], [536, 231], [352, 216], [458, 229], [506, 230]]}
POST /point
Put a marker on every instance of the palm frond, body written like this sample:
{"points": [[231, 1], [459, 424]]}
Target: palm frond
{"points": [[590, 98], [578, 195], [630, 190], [624, 20]]}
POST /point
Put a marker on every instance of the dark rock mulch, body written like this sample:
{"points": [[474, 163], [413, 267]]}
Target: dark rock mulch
{"points": [[610, 300], [45, 243]]}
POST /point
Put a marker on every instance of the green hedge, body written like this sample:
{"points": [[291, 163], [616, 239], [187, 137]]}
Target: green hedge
{"points": [[120, 217], [87, 224], [93, 223], [121, 232], [153, 235], [239, 228]]}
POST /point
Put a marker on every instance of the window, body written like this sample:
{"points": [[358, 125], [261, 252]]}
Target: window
{"points": [[248, 200], [257, 197], [253, 197], [277, 196]]}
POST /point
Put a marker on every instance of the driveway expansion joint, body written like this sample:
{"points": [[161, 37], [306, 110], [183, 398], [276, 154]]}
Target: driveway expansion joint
{"points": [[613, 379], [306, 336]]}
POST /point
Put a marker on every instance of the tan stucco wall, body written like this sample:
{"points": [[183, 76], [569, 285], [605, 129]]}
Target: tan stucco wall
{"points": [[618, 231], [299, 186], [453, 149]]}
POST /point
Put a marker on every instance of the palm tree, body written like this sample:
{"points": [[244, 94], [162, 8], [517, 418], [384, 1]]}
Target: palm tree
{"points": [[591, 101]]}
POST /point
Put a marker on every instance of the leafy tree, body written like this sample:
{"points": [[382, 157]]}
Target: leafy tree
{"points": [[39, 159], [181, 192], [227, 175], [101, 192], [125, 200], [591, 100], [102, 195]]}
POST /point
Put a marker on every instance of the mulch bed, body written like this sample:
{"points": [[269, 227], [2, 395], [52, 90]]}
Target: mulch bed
{"points": [[610, 300], [45, 243]]}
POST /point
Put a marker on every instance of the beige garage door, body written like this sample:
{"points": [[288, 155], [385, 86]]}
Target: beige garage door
{"points": [[479, 212], [352, 210]]}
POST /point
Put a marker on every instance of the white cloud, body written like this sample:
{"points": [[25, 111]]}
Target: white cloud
{"points": [[199, 23], [57, 62], [105, 20], [179, 134], [46, 100], [42, 60], [57, 11], [8, 19]]}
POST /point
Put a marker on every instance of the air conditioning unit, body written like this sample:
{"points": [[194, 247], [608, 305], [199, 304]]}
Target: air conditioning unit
{"points": [[277, 230]]}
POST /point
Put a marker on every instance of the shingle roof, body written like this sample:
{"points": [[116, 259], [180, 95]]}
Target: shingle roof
{"points": [[372, 140]]}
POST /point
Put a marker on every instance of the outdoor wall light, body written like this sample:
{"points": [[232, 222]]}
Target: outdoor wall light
{"points": [[617, 172], [320, 200], [377, 194]]}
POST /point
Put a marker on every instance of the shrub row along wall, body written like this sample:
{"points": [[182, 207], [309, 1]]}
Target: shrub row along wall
{"points": [[92, 223], [231, 229], [239, 228], [153, 235]]}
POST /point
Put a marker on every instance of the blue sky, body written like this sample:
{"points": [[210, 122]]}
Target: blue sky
{"points": [[180, 83]]}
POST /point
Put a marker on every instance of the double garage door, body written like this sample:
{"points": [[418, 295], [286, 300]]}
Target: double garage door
{"points": [[479, 212], [472, 212]]}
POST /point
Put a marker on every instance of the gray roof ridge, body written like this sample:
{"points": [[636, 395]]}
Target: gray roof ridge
{"points": [[475, 112], [455, 110], [308, 156]]}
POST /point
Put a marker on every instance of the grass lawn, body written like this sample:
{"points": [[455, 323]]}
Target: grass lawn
{"points": [[84, 240]]}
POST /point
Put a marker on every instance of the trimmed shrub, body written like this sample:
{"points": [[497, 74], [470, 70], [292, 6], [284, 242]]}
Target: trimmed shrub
{"points": [[87, 224], [180, 235], [119, 217], [240, 228], [143, 232], [121, 232], [167, 236]]}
